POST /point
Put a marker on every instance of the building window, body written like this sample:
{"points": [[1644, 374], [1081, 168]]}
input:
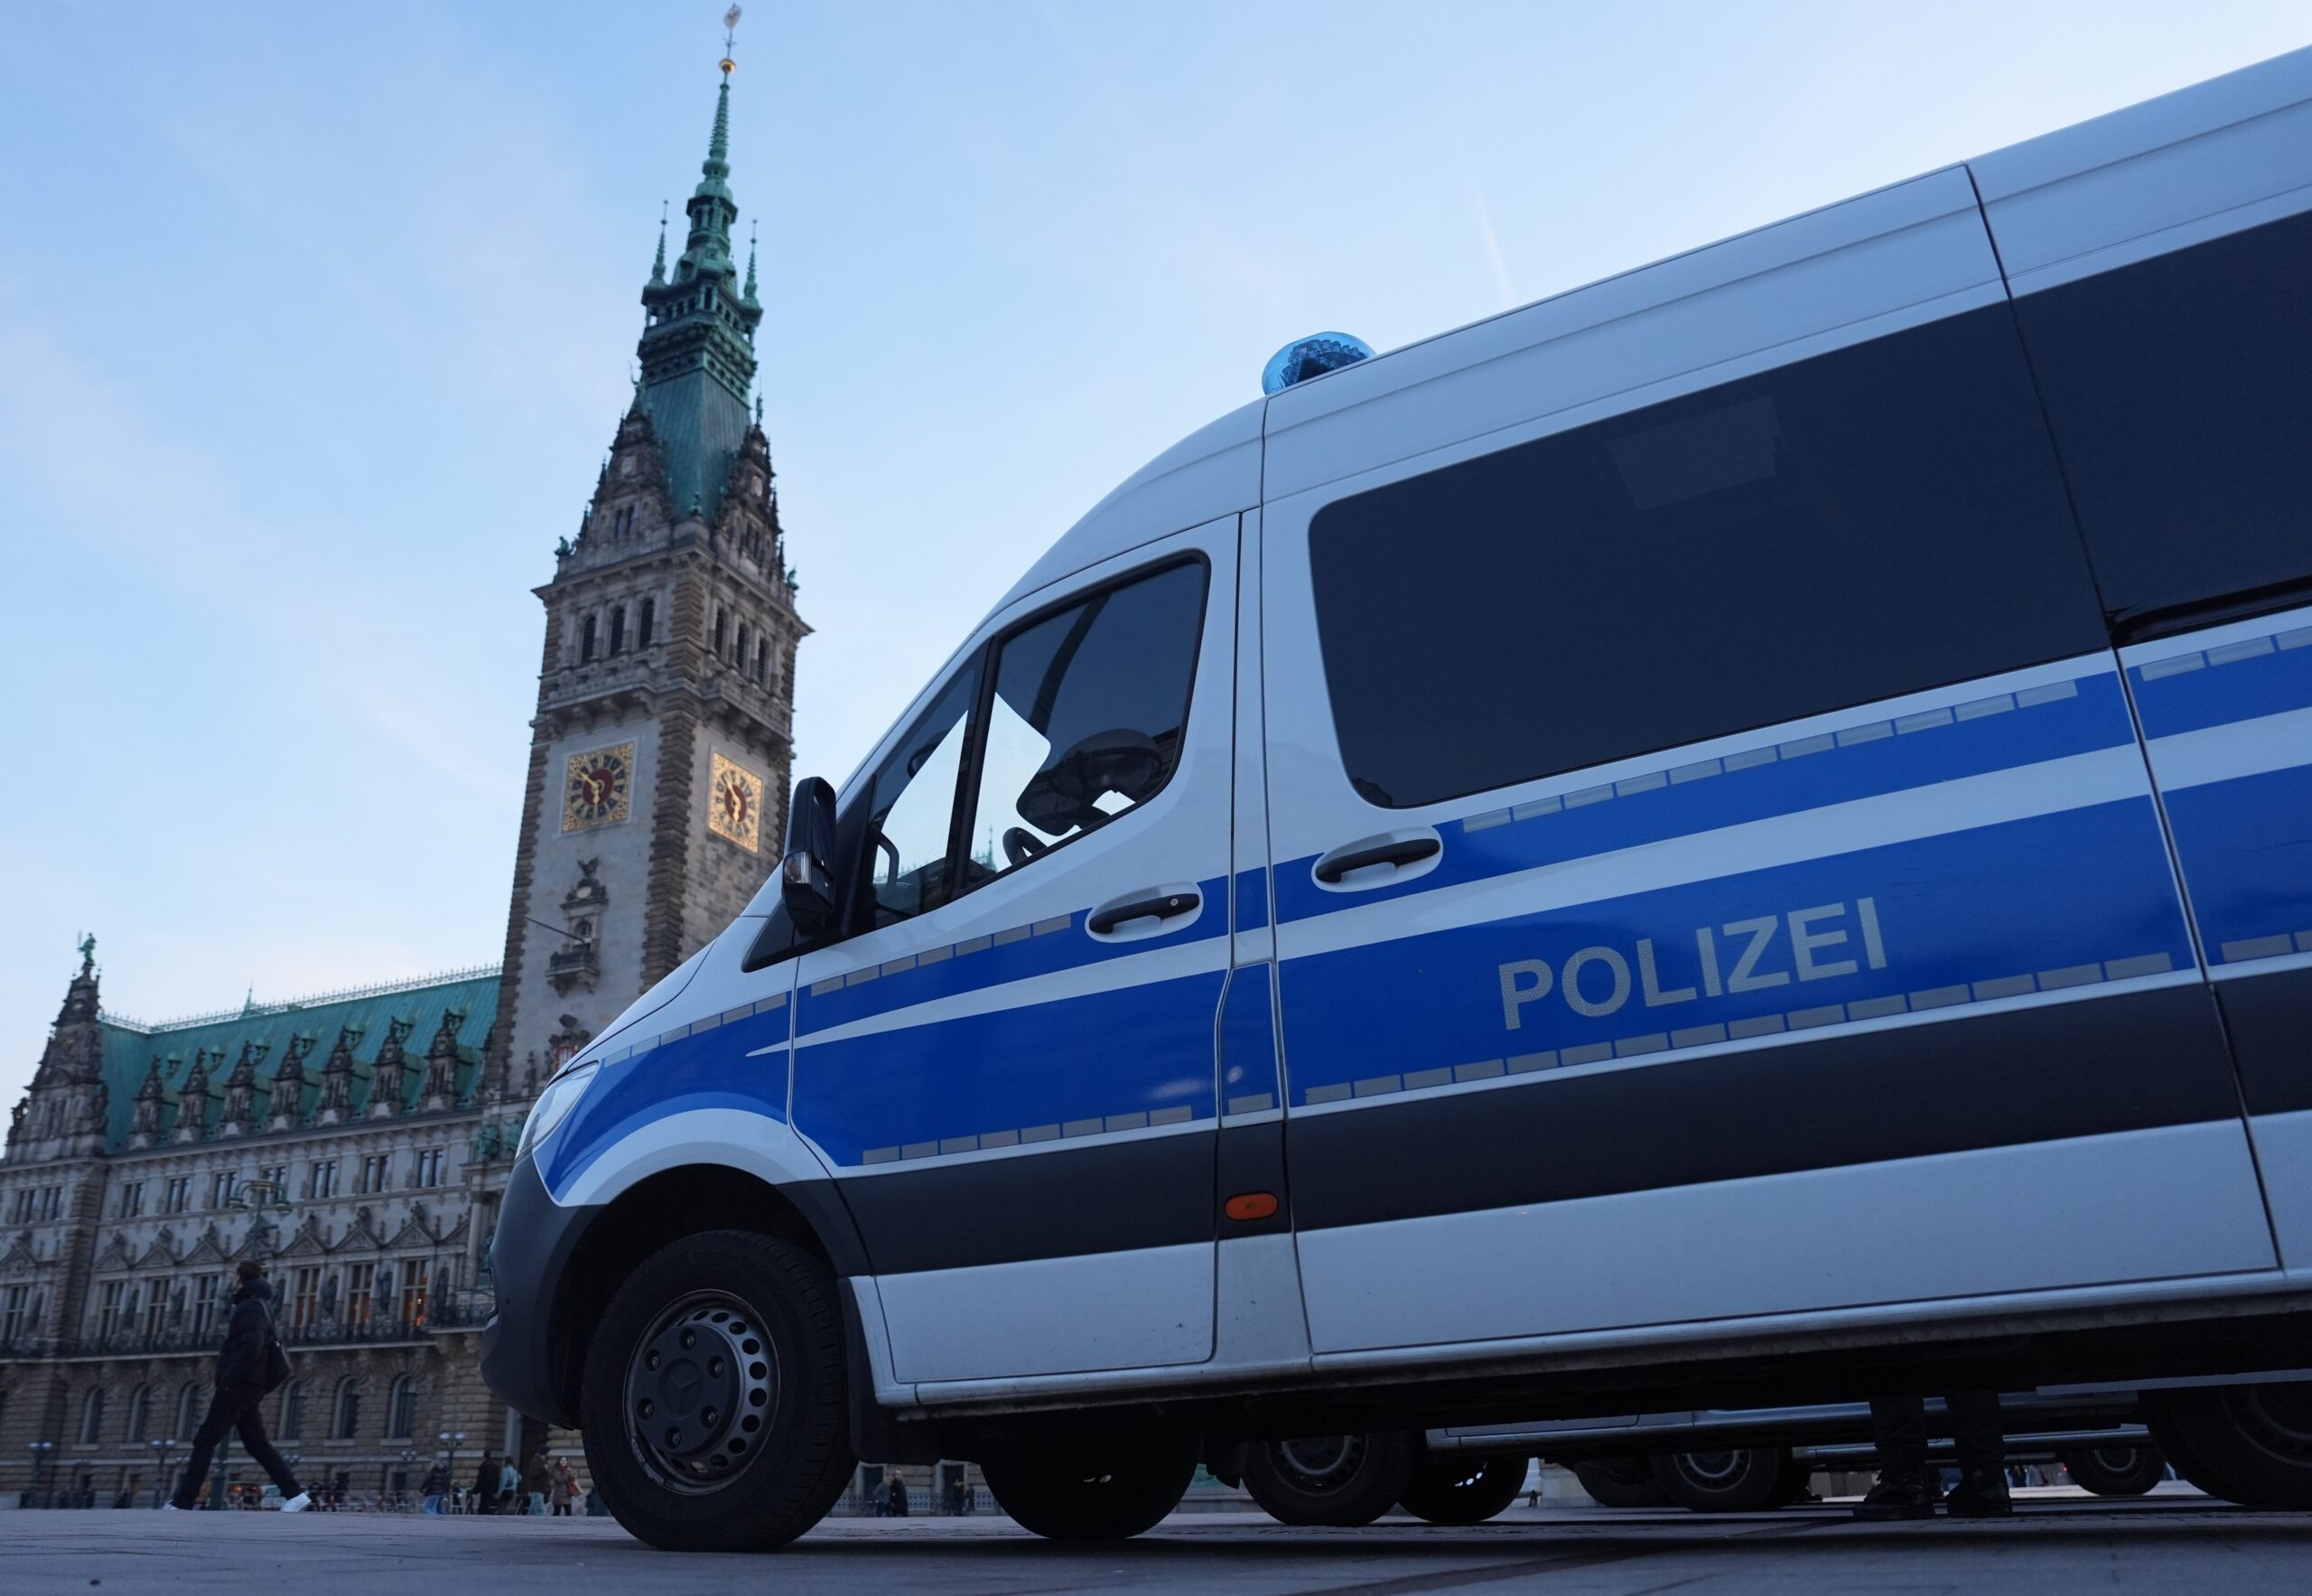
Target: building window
{"points": [[401, 1408], [374, 1168], [92, 1417], [204, 1305], [131, 1200], [718, 631], [292, 1410], [108, 1318], [427, 1170], [15, 1317], [278, 1178], [222, 1185], [650, 614], [157, 1308], [762, 661], [347, 1420], [140, 1414], [360, 1289], [305, 1298], [741, 656], [586, 641], [51, 1202], [180, 1194], [412, 1297], [21, 1210], [618, 630], [320, 1181]]}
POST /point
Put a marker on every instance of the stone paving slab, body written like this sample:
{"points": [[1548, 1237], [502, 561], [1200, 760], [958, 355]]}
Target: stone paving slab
{"points": [[2164, 1544]]}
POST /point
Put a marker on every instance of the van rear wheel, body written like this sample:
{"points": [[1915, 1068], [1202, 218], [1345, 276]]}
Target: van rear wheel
{"points": [[2249, 1444], [2122, 1471], [1619, 1482], [713, 1400], [1731, 1481], [1449, 1489], [1341, 1482], [1067, 1495]]}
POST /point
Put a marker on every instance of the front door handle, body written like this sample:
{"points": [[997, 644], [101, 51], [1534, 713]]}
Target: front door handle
{"points": [[1397, 849], [1148, 904]]}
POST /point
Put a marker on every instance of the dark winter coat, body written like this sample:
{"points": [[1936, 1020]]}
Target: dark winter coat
{"points": [[240, 1364]]}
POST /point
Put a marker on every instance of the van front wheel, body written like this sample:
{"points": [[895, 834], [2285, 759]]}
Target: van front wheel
{"points": [[2251, 1444], [713, 1402], [1064, 1495]]}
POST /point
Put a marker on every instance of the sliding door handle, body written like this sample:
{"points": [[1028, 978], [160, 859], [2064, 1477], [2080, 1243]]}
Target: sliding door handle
{"points": [[1158, 903], [1398, 850]]}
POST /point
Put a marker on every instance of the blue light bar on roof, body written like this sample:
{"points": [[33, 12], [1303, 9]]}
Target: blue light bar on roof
{"points": [[1313, 356]]}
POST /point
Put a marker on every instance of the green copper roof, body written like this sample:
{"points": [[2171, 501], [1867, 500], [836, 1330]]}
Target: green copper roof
{"points": [[697, 347], [129, 1049]]}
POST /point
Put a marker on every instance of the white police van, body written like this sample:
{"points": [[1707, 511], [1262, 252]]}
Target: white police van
{"points": [[1742, 835]]}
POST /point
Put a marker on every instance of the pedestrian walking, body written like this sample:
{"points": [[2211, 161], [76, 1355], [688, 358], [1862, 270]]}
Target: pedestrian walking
{"points": [[485, 1482], [249, 1363], [509, 1487], [895, 1495], [561, 1486], [1908, 1489]]}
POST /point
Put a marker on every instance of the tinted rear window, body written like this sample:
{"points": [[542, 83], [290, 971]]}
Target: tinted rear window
{"points": [[1875, 521], [2180, 390]]}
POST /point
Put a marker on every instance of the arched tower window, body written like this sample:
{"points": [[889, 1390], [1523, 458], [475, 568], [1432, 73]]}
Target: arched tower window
{"points": [[718, 631], [348, 1421], [618, 630], [742, 655], [293, 1411], [188, 1411], [401, 1408], [762, 661], [586, 641], [650, 613], [92, 1417], [140, 1414]]}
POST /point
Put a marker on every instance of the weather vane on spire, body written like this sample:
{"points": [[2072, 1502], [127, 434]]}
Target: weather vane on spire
{"points": [[730, 39]]}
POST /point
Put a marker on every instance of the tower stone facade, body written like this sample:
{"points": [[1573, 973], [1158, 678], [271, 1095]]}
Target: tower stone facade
{"points": [[659, 762]]}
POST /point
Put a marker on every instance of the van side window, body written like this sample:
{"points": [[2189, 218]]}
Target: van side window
{"points": [[1877, 520], [911, 809], [1090, 706], [2180, 390]]}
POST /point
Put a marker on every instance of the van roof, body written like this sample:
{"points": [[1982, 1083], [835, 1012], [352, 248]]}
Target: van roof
{"points": [[1218, 469]]}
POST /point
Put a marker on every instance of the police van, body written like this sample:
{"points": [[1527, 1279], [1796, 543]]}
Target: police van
{"points": [[1738, 835]]}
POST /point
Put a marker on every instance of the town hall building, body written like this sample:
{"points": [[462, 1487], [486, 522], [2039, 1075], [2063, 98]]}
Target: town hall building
{"points": [[360, 1142]]}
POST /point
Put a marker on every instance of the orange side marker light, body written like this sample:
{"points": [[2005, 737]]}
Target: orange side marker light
{"points": [[1246, 1206]]}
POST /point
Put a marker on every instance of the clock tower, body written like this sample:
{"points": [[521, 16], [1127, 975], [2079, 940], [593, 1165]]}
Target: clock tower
{"points": [[658, 756]]}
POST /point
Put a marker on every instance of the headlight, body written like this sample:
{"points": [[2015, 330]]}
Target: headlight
{"points": [[554, 1106]]}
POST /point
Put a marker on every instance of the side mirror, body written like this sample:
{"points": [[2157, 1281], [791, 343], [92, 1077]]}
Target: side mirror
{"points": [[807, 884]]}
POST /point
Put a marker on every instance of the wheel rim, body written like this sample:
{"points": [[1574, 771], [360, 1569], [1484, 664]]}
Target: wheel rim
{"points": [[1713, 1470], [1320, 1462], [2276, 1420], [701, 1390], [2117, 1460]]}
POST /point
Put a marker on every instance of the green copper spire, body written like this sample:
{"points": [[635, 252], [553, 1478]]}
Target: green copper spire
{"points": [[750, 294], [659, 265], [697, 347]]}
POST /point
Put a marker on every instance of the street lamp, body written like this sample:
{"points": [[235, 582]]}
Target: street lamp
{"points": [[161, 1488]]}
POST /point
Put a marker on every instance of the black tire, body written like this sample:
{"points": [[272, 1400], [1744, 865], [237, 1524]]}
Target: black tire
{"points": [[1743, 1480], [1456, 1489], [2249, 1444], [1619, 1482], [1073, 1496], [1341, 1482], [764, 1349], [2129, 1469]]}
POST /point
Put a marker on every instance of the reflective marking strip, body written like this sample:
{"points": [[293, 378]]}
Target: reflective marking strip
{"points": [[1338, 1093], [1869, 733], [2175, 667], [1422, 1079], [1251, 1103], [1821, 743], [2004, 986], [1526, 1063], [1057, 922], [2048, 694], [1010, 934], [1974, 709], [2244, 650], [1485, 1071], [1178, 1114], [2258, 948]]}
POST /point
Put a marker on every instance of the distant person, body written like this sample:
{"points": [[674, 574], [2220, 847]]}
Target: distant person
{"points": [[436, 1487], [128, 1491], [1908, 1489], [243, 1365], [509, 1487], [485, 1482], [561, 1487], [895, 1495]]}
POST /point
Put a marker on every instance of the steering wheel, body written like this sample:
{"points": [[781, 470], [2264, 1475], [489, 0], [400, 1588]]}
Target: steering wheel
{"points": [[1021, 845]]}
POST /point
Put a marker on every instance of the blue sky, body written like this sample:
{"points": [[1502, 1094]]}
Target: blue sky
{"points": [[314, 322]]}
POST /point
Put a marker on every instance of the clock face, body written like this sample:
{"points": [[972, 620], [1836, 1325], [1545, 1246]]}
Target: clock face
{"points": [[734, 804], [596, 788]]}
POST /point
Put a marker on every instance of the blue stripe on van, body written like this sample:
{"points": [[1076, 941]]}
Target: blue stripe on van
{"points": [[1252, 900], [2246, 845], [1969, 738], [2237, 682], [1248, 1042], [1134, 1059], [708, 1070], [981, 962], [2054, 901]]}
